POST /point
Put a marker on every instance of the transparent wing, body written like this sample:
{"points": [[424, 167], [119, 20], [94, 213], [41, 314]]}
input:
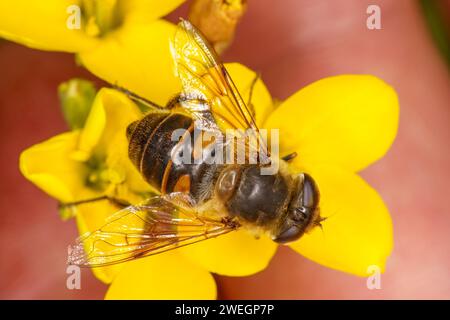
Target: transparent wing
{"points": [[160, 224], [209, 90]]}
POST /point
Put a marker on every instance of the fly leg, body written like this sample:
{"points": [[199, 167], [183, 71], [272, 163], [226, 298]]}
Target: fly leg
{"points": [[289, 157], [120, 203], [135, 97]]}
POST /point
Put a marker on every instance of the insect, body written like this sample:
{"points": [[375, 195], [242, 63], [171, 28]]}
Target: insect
{"points": [[200, 200]]}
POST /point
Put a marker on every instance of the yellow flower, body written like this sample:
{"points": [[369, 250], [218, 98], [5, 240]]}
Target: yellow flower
{"points": [[123, 31]]}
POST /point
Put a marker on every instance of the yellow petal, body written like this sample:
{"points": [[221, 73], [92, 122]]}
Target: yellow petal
{"points": [[117, 161], [235, 254], [42, 25], [261, 102], [91, 217], [105, 135], [110, 115], [349, 120], [49, 166], [143, 11], [358, 231], [138, 58], [163, 276]]}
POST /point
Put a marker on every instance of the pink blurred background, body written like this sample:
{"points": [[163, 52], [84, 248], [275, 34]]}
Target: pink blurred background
{"points": [[291, 43]]}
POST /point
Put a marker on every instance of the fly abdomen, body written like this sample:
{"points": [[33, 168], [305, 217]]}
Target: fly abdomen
{"points": [[151, 148]]}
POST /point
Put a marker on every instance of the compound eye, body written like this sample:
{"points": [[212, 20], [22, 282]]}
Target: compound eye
{"points": [[309, 197], [290, 234]]}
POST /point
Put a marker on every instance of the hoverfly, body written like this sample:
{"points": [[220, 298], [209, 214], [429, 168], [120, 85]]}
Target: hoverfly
{"points": [[199, 201]]}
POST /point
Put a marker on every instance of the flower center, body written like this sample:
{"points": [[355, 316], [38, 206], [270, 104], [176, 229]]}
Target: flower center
{"points": [[100, 177], [101, 16]]}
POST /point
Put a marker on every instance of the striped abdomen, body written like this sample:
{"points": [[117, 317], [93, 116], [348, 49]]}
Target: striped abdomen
{"points": [[150, 150]]}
